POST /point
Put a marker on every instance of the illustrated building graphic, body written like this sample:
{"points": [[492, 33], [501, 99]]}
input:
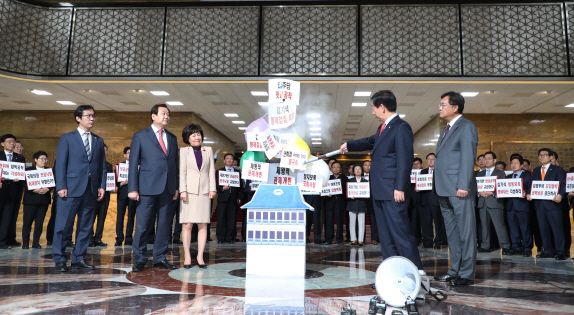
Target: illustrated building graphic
{"points": [[276, 231]]}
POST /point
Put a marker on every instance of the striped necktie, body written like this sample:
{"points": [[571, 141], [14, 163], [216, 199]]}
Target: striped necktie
{"points": [[87, 145]]}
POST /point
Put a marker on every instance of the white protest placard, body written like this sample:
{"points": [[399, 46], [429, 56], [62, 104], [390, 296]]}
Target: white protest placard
{"points": [[423, 182], [29, 164], [255, 185], [309, 183], [270, 143], [509, 188], [281, 175], [486, 183], [544, 190], [123, 172], [111, 182], [414, 174], [13, 170], [229, 179], [358, 190], [254, 141], [569, 182], [294, 159], [283, 90], [258, 171], [43, 178], [333, 187], [508, 173], [281, 115]]}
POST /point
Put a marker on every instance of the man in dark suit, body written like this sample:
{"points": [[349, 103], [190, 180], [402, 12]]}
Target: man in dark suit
{"points": [[492, 209], [123, 203], [370, 208], [518, 210], [228, 199], [549, 212], [247, 195], [565, 210], [80, 180], [392, 158], [455, 184], [430, 212], [10, 194], [335, 206], [155, 184], [101, 211], [414, 207]]}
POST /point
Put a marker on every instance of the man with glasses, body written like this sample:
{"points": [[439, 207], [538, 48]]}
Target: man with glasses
{"points": [[80, 181], [10, 195], [549, 212]]}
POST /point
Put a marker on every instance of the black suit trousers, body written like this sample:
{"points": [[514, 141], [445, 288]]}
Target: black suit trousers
{"points": [[131, 206], [15, 212], [100, 211], [334, 213], [373, 220], [314, 217], [226, 220], [33, 214]]}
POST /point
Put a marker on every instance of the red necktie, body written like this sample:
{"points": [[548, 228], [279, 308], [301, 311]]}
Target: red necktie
{"points": [[446, 132], [382, 128], [161, 143]]}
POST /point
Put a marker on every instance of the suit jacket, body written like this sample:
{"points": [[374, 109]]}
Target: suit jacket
{"points": [[74, 170], [340, 200], [122, 190], [157, 170], [196, 181], [391, 159], [428, 197], [32, 198], [454, 162], [521, 204], [233, 193], [491, 202], [553, 173], [11, 189]]}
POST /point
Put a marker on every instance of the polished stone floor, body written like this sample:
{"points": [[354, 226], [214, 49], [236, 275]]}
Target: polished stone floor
{"points": [[337, 276]]}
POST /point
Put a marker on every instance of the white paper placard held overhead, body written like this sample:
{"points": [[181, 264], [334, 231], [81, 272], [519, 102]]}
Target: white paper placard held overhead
{"points": [[254, 140], [281, 115], [270, 143], [257, 171], [294, 159], [284, 91], [281, 175]]}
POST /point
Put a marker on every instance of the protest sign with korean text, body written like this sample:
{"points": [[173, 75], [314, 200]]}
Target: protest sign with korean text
{"points": [[123, 172], [229, 179], [309, 183], [111, 182], [258, 171], [544, 190], [281, 175], [271, 143], [332, 187], [254, 140], [414, 174], [358, 190], [284, 91], [13, 170], [294, 159], [486, 183], [255, 185], [509, 188], [42, 178], [569, 182], [281, 115], [424, 182]]}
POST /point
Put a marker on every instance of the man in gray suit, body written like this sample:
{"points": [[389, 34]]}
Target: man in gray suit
{"points": [[492, 208], [455, 184]]}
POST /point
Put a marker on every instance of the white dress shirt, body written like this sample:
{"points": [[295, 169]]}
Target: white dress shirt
{"points": [[489, 169], [389, 119], [164, 137], [546, 167], [6, 152], [83, 135]]}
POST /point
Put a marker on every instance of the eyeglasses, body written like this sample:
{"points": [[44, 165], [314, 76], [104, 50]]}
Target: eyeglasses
{"points": [[90, 116], [43, 159], [543, 154], [441, 105]]}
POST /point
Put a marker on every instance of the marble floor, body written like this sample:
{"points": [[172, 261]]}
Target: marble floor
{"points": [[337, 276]]}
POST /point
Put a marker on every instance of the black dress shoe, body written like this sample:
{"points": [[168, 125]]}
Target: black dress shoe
{"points": [[544, 255], [25, 246], [318, 243], [61, 267], [561, 257], [49, 244], [327, 243], [14, 243], [151, 241], [128, 243], [164, 265], [118, 243], [243, 240], [92, 244], [231, 242], [437, 247], [82, 264], [219, 242], [202, 266], [138, 267], [505, 251], [445, 278], [482, 250], [177, 242], [427, 245], [527, 253], [187, 266], [461, 281], [101, 244], [5, 247], [209, 240], [36, 246], [70, 244]]}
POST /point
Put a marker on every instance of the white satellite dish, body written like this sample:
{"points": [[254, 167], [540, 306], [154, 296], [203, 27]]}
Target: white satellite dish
{"points": [[397, 280]]}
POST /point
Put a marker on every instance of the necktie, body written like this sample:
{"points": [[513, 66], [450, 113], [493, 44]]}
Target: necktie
{"points": [[430, 171], [543, 172], [445, 133], [161, 143], [487, 172], [9, 157], [382, 128], [87, 144], [515, 175]]}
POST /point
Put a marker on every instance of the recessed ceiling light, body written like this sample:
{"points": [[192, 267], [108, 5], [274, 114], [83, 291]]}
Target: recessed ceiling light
{"points": [[66, 103], [208, 142], [87, 90], [40, 92], [174, 103], [238, 122], [313, 115], [434, 140], [159, 93], [362, 93], [231, 115], [263, 103], [315, 129], [402, 116], [314, 123], [315, 134], [137, 90], [469, 94], [315, 142], [315, 139], [258, 93], [570, 105], [358, 104], [242, 128]]}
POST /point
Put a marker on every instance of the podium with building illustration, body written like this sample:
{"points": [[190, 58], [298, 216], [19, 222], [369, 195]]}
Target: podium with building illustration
{"points": [[276, 231]]}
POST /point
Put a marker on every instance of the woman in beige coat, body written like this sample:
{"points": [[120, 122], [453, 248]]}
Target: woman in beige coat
{"points": [[197, 187]]}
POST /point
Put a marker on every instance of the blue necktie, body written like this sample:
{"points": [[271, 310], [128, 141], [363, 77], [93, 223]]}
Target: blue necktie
{"points": [[487, 172], [87, 145], [9, 157]]}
